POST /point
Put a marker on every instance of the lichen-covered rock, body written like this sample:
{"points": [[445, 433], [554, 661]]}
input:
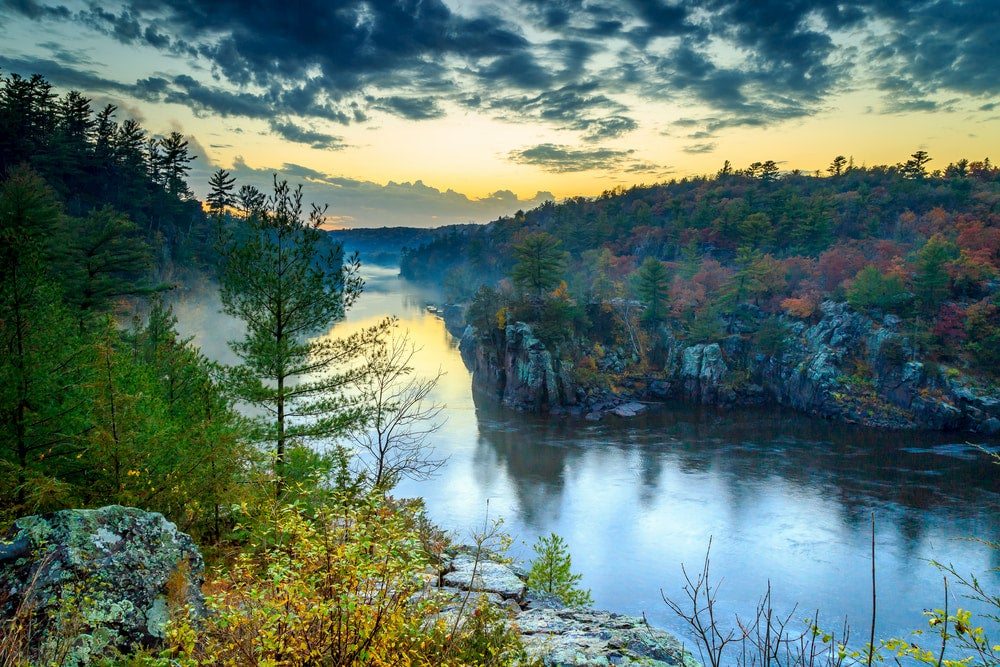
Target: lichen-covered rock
{"points": [[93, 583], [703, 372], [491, 577], [521, 371], [578, 636]]}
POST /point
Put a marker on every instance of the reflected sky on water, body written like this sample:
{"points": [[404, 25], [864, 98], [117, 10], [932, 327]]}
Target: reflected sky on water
{"points": [[783, 498]]}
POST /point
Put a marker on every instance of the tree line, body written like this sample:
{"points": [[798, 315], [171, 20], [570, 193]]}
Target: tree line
{"points": [[744, 251], [92, 159]]}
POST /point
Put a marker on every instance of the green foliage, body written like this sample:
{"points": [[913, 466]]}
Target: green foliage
{"points": [[92, 161], [874, 289], [705, 324], [92, 415], [556, 319], [931, 282], [771, 336], [551, 572], [280, 277], [338, 584], [540, 263], [484, 310], [652, 284]]}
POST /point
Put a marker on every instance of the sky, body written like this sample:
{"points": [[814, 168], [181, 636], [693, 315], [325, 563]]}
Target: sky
{"points": [[432, 112]]}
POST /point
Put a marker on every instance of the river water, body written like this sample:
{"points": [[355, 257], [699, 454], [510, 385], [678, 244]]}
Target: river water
{"points": [[786, 501]]}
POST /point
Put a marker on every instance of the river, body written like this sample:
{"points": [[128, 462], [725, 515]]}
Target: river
{"points": [[785, 500]]}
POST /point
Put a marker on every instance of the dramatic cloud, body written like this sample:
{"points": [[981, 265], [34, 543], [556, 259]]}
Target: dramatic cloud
{"points": [[358, 203], [590, 68], [560, 159], [292, 132]]}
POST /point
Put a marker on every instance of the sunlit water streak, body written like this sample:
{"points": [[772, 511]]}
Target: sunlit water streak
{"points": [[784, 499]]}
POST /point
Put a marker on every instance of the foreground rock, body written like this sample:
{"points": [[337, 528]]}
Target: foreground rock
{"points": [[490, 577], [571, 637], [92, 583], [554, 635]]}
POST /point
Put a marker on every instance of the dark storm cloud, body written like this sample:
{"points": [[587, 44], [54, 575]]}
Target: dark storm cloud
{"points": [[610, 127], [565, 63], [788, 54], [36, 10], [661, 19], [946, 44], [68, 74], [580, 107], [408, 107]]}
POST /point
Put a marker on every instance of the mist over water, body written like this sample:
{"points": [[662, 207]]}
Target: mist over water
{"points": [[783, 499]]}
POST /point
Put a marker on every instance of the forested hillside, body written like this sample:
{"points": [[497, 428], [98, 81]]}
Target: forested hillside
{"points": [[91, 159], [744, 254], [97, 407], [103, 403]]}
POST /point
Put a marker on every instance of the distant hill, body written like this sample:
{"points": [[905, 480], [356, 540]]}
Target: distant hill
{"points": [[626, 283], [384, 245]]}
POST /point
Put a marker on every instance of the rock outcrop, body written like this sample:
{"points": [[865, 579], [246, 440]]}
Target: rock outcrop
{"points": [[555, 635], [844, 366], [572, 636], [523, 374], [92, 583]]}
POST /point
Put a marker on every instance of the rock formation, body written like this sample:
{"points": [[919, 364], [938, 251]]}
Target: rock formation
{"points": [[556, 635], [844, 366], [89, 584]]}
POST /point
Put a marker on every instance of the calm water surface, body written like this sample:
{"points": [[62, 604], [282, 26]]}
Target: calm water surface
{"points": [[783, 499]]}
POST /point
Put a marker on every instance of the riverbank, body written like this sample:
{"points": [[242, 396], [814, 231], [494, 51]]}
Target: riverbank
{"points": [[845, 366], [143, 583]]}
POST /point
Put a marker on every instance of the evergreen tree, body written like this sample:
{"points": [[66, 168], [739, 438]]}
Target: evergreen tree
{"points": [[540, 263], [874, 289], [100, 258], [654, 289], [175, 164], [931, 282], [40, 354], [551, 572], [220, 191], [281, 276]]}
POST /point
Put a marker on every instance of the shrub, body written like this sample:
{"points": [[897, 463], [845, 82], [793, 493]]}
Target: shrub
{"points": [[550, 572], [337, 585]]}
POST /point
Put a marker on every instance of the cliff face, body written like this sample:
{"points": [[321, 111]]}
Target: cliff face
{"points": [[846, 366], [523, 374]]}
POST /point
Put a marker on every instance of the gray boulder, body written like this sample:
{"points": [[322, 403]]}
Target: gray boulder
{"points": [[577, 636], [95, 583], [490, 577]]}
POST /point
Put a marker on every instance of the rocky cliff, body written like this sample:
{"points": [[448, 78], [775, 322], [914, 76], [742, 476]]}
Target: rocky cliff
{"points": [[523, 374], [843, 366]]}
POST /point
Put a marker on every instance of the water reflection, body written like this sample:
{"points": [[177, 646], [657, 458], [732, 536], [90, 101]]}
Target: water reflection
{"points": [[785, 499]]}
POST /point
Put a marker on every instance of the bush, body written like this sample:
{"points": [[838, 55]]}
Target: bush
{"points": [[550, 572], [337, 585]]}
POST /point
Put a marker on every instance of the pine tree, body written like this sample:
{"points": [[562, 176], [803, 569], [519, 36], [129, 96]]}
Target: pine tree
{"points": [[220, 195], [540, 263], [40, 354], [281, 276], [654, 289], [551, 572]]}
